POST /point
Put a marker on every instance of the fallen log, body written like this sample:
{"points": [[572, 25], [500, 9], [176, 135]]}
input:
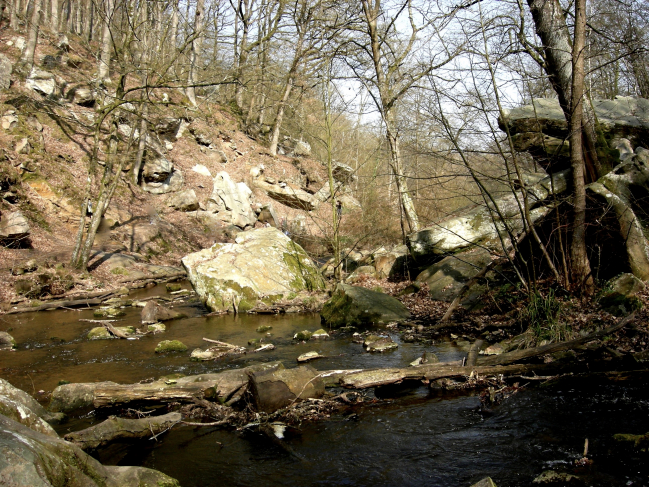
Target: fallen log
{"points": [[221, 386], [114, 429], [155, 392], [518, 355], [58, 304], [384, 377]]}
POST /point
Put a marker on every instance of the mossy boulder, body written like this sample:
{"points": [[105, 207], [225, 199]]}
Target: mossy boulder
{"points": [[7, 342], [156, 327], [264, 328], [303, 335], [263, 264], [352, 305], [446, 277], [108, 313], [166, 346], [173, 287], [320, 334], [638, 442], [621, 299]]}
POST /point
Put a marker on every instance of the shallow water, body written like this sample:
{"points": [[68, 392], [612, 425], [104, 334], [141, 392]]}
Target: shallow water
{"points": [[415, 439]]}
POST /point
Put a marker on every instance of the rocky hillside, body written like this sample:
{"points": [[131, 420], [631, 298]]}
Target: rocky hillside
{"points": [[203, 180]]}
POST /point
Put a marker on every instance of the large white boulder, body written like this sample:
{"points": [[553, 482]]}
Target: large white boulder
{"points": [[263, 265]]}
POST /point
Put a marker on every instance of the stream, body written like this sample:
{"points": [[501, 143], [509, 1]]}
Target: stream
{"points": [[413, 439]]}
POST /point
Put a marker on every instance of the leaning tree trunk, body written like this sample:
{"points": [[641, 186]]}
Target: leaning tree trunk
{"points": [[551, 27]]}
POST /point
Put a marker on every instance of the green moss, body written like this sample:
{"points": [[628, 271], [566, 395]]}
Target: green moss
{"points": [[166, 346], [271, 299], [264, 328], [173, 287], [307, 275], [120, 271], [620, 305]]}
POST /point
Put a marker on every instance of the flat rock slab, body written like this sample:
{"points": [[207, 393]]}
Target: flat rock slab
{"points": [[353, 305]]}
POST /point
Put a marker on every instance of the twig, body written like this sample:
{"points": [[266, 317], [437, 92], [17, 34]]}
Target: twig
{"points": [[216, 423], [229, 345], [164, 431]]}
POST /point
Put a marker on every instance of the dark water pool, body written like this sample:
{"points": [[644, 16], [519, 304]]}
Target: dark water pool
{"points": [[414, 440]]}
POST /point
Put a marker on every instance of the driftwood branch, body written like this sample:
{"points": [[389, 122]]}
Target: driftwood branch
{"points": [[222, 344], [113, 331]]}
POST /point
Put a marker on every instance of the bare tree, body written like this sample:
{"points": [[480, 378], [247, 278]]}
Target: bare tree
{"points": [[195, 53], [394, 71], [103, 71]]}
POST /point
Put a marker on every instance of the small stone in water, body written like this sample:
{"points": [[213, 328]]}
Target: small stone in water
{"points": [[264, 328], [305, 357]]}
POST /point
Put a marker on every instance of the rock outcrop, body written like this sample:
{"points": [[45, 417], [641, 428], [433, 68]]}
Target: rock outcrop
{"points": [[287, 195], [446, 277], [352, 305], [14, 226], [42, 82], [5, 72], [33, 459], [263, 265], [232, 200], [34, 456], [486, 226]]}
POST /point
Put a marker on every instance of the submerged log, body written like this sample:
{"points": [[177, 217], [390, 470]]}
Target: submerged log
{"points": [[114, 429]]}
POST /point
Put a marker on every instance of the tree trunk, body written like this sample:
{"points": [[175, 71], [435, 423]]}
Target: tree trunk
{"points": [[27, 58], [13, 14], [195, 51], [274, 141], [103, 74], [551, 27], [579, 266], [54, 17], [137, 166], [400, 180], [173, 33]]}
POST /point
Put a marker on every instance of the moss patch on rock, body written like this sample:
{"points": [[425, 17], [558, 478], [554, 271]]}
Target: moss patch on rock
{"points": [[166, 346]]}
